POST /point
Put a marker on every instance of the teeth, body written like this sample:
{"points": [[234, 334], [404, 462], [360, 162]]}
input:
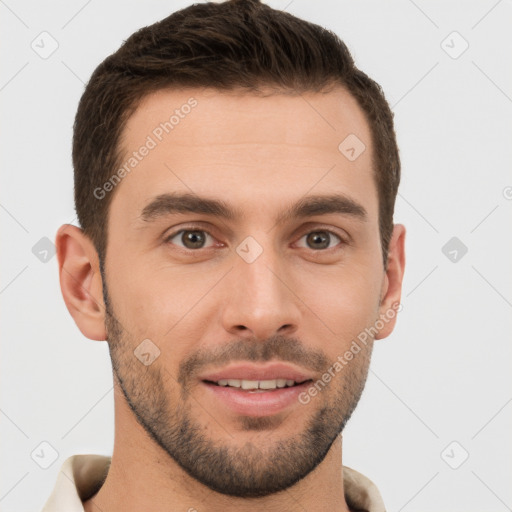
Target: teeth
{"points": [[267, 384], [281, 383], [256, 384], [249, 384]]}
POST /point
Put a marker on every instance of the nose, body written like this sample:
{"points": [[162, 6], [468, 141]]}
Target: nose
{"points": [[260, 301]]}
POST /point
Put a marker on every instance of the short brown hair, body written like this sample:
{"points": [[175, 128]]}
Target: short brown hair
{"points": [[237, 44]]}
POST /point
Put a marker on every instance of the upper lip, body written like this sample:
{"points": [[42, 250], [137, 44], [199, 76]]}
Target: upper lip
{"points": [[248, 371]]}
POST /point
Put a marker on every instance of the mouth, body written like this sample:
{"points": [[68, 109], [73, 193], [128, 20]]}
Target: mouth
{"points": [[256, 386], [255, 399], [255, 390]]}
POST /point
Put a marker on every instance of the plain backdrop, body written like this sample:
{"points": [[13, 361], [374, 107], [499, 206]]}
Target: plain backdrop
{"points": [[433, 427]]}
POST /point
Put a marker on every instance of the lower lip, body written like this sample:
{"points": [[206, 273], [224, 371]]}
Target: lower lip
{"points": [[256, 403]]}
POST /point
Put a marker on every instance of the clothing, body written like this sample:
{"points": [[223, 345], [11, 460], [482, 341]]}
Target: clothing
{"points": [[81, 476]]}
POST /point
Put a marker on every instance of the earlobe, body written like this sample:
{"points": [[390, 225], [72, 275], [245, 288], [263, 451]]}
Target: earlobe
{"points": [[80, 281], [392, 284]]}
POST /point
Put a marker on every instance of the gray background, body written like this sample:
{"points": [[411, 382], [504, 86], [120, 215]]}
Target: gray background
{"points": [[444, 374]]}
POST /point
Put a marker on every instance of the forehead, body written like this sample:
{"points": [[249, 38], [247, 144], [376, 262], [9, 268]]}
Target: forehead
{"points": [[250, 150]]}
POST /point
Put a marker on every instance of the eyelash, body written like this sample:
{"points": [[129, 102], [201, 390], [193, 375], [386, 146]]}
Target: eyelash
{"points": [[168, 238]]}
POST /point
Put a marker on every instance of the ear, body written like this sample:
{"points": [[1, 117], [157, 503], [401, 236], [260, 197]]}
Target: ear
{"points": [[80, 281], [391, 291]]}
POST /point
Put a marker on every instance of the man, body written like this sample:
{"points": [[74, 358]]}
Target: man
{"points": [[235, 180]]}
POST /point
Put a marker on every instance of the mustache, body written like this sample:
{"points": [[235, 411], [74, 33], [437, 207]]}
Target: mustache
{"points": [[284, 349]]}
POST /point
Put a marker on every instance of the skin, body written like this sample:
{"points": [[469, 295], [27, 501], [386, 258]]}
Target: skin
{"points": [[299, 301]]}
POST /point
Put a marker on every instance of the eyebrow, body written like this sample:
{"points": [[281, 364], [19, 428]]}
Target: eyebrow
{"points": [[172, 203]]}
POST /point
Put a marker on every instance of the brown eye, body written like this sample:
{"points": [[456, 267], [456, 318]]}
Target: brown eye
{"points": [[190, 239], [321, 239]]}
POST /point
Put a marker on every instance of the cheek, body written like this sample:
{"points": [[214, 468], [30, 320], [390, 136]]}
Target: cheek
{"points": [[343, 302], [166, 305], [138, 303]]}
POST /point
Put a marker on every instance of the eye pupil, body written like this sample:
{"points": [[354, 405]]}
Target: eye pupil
{"points": [[193, 239], [319, 236]]}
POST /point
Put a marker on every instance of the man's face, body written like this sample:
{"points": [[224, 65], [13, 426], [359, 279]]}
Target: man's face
{"points": [[254, 296]]}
